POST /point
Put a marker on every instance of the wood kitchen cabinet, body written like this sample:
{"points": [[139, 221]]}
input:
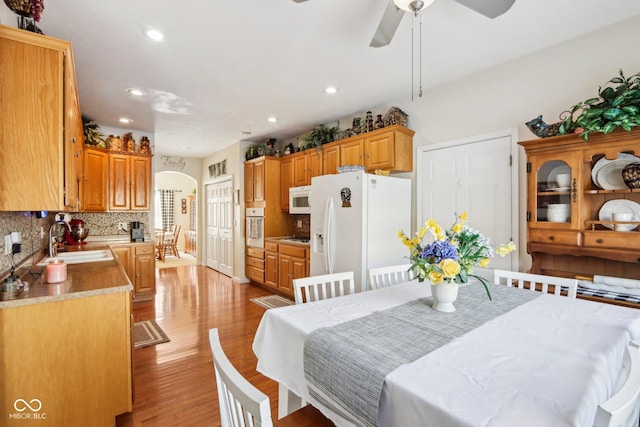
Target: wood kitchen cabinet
{"points": [[129, 182], [255, 179], [271, 264], [95, 178], [389, 149], [115, 181], [73, 355], [286, 181], [297, 170], [582, 241], [330, 158], [42, 134], [139, 262], [254, 264], [292, 264]]}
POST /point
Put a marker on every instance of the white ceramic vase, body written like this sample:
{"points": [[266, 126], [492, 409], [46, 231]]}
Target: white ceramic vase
{"points": [[444, 294]]}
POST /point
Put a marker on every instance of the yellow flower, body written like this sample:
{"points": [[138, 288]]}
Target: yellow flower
{"points": [[450, 268], [431, 223], [463, 216], [484, 262], [435, 277], [422, 232], [458, 227], [400, 234], [506, 248], [415, 241]]}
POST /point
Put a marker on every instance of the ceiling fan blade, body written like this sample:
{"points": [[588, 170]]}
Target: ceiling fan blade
{"points": [[489, 8], [299, 1], [388, 25]]}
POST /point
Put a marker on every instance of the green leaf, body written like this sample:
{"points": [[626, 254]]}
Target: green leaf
{"points": [[633, 109], [616, 80], [608, 93], [612, 113], [609, 127]]}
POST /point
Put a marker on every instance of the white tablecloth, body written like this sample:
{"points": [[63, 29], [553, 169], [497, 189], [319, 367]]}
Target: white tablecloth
{"points": [[546, 363]]}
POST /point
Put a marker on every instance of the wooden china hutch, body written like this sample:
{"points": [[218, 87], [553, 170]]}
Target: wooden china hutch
{"points": [[580, 238]]}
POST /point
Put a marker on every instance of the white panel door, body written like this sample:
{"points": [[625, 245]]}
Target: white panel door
{"points": [[220, 226], [225, 205], [213, 226], [474, 176]]}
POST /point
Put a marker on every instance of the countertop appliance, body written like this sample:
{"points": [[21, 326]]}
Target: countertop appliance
{"points": [[137, 231], [76, 233], [355, 218], [299, 200]]}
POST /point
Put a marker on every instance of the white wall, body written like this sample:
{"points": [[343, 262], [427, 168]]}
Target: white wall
{"points": [[7, 17]]}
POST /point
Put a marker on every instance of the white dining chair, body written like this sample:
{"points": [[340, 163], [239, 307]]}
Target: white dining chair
{"points": [[241, 404], [517, 279], [381, 277], [315, 288], [622, 409]]}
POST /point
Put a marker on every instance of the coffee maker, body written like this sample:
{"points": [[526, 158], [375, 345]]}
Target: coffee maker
{"points": [[137, 231]]}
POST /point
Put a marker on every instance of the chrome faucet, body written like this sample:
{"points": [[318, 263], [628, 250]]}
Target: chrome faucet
{"points": [[53, 248]]}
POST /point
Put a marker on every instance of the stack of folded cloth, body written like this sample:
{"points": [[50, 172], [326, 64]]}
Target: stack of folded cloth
{"points": [[614, 285]]}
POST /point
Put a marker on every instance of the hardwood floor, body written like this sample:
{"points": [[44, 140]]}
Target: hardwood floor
{"points": [[174, 382]]}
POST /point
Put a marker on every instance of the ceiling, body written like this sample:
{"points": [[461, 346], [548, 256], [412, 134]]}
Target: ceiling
{"points": [[224, 67]]}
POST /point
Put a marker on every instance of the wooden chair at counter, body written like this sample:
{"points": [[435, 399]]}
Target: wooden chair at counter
{"points": [[159, 246], [171, 242]]}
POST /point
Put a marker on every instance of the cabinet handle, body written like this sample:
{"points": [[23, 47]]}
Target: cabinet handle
{"points": [[552, 238], [73, 140], [599, 241]]}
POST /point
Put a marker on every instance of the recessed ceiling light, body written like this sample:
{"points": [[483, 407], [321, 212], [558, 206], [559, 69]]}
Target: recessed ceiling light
{"points": [[272, 119], [153, 34], [125, 120], [136, 92], [331, 89], [245, 132]]}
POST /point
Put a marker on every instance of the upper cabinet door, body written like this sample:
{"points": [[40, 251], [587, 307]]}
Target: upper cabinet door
{"points": [[119, 182], [32, 100], [554, 184]]}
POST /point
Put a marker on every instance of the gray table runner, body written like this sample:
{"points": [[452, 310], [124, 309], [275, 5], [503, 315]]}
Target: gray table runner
{"points": [[346, 364]]}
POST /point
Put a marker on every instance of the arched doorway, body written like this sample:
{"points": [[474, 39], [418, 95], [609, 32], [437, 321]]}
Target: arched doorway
{"points": [[179, 206]]}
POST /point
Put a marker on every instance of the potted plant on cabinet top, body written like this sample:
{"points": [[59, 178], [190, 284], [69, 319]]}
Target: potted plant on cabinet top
{"points": [[616, 106], [318, 136]]}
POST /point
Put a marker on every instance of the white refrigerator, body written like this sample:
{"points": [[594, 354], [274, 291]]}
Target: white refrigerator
{"points": [[355, 218]]}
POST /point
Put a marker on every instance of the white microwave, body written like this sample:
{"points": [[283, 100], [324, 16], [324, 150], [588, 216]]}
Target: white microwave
{"points": [[299, 200]]}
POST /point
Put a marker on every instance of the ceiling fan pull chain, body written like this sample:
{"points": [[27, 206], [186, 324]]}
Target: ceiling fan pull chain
{"points": [[420, 59], [412, 50]]}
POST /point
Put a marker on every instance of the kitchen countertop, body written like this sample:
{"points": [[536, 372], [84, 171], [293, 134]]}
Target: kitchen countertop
{"points": [[83, 280], [284, 240]]}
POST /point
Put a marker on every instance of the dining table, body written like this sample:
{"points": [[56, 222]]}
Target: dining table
{"points": [[385, 357]]}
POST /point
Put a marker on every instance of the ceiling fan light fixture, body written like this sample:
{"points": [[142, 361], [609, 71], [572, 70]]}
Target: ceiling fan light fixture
{"points": [[413, 6]]}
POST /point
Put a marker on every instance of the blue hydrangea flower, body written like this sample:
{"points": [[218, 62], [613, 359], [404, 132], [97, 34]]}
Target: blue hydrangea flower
{"points": [[439, 250]]}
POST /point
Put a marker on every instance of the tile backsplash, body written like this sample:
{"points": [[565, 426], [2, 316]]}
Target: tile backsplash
{"points": [[30, 227]]}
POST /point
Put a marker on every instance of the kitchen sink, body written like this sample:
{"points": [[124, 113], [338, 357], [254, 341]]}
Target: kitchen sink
{"points": [[81, 257]]}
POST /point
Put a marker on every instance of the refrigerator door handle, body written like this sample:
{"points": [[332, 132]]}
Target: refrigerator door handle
{"points": [[328, 237]]}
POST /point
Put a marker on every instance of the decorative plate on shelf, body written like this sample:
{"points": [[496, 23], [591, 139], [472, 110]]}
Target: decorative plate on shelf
{"points": [[622, 158], [619, 205], [552, 178], [609, 176]]}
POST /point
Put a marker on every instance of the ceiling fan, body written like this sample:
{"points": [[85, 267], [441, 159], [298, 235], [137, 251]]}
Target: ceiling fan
{"points": [[396, 9]]}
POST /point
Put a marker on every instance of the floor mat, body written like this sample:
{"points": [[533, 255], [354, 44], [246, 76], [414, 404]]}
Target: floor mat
{"points": [[148, 333], [272, 301]]}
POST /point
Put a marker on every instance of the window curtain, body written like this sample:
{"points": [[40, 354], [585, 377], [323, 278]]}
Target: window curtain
{"points": [[166, 207]]}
